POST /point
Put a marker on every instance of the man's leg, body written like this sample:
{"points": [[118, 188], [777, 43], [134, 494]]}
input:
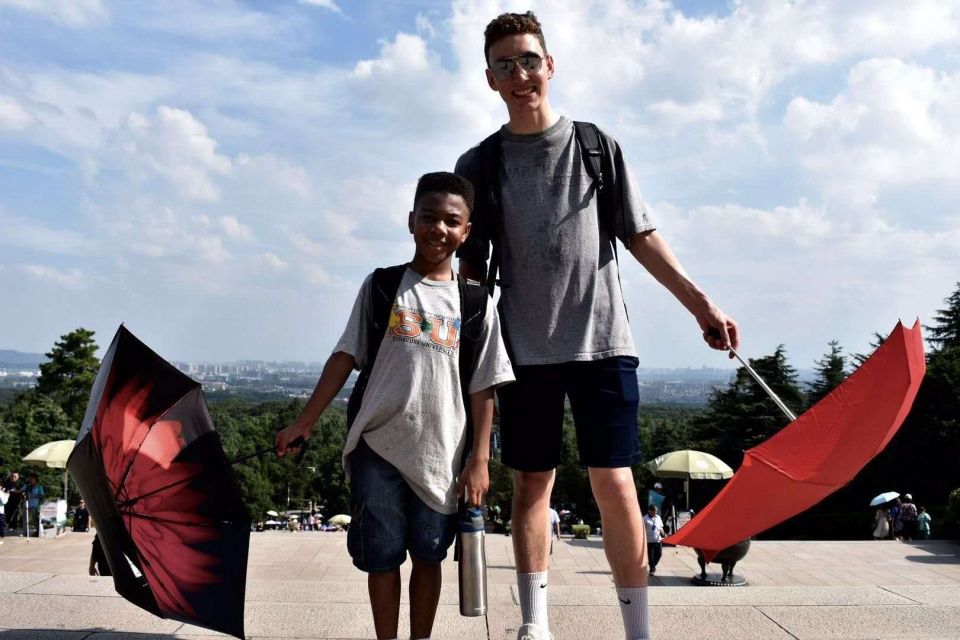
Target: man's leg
{"points": [[625, 544], [384, 589], [531, 542], [424, 597]]}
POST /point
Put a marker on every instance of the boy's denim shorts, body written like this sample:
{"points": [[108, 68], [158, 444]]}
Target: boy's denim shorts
{"points": [[388, 519], [604, 398]]}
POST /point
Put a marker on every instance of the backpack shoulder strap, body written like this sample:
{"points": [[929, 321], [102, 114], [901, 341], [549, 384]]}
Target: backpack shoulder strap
{"points": [[473, 310], [487, 186], [384, 285], [599, 163]]}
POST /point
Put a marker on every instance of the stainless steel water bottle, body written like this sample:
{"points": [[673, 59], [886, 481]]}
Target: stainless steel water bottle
{"points": [[473, 563]]}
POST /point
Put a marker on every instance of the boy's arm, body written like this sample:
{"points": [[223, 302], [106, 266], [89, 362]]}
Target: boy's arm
{"points": [[475, 477], [335, 374], [652, 251]]}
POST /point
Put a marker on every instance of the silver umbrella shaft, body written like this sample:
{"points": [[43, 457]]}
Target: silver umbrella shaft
{"points": [[764, 386]]}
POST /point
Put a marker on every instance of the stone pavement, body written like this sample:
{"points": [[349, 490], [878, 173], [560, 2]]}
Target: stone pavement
{"points": [[302, 585]]}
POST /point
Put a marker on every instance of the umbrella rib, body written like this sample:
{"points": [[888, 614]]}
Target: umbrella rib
{"points": [[144, 516], [133, 455]]}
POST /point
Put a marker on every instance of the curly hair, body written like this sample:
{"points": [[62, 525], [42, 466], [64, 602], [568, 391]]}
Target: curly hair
{"points": [[444, 182], [510, 24]]}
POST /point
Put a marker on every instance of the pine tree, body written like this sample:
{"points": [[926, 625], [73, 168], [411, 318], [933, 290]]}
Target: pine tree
{"points": [[945, 333], [743, 415], [859, 358], [68, 375], [830, 373]]}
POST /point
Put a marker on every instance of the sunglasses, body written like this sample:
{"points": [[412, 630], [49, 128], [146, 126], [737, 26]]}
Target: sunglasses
{"points": [[503, 69]]}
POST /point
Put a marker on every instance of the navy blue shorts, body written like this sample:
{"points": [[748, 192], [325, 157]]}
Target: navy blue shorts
{"points": [[604, 397], [388, 519]]}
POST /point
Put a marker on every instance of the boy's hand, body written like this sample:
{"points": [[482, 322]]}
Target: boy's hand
{"points": [[288, 435], [475, 478]]}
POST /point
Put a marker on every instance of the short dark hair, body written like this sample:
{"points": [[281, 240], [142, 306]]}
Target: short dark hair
{"points": [[512, 24], [444, 182]]}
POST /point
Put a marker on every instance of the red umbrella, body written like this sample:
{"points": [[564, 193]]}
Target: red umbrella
{"points": [[818, 452], [167, 507]]}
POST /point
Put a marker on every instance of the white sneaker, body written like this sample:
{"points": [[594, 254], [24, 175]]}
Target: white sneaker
{"points": [[533, 632]]}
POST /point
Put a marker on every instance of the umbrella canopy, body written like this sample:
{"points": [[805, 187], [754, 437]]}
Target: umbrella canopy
{"points": [[884, 498], [273, 513], [53, 454], [149, 464], [340, 519], [693, 465], [817, 453]]}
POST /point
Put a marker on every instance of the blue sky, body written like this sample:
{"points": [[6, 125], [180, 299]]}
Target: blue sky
{"points": [[221, 175]]}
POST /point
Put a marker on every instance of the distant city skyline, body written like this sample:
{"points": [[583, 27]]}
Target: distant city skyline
{"points": [[222, 176]]}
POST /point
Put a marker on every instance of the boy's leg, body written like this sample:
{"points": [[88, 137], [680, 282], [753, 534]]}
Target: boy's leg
{"points": [[384, 590], [424, 597], [377, 536], [531, 427], [604, 397]]}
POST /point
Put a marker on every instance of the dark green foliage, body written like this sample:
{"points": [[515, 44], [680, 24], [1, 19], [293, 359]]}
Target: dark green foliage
{"points": [[858, 359], [68, 375], [830, 373], [31, 420], [945, 334], [743, 415]]}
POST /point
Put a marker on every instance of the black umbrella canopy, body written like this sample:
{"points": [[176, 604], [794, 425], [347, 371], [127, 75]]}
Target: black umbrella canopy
{"points": [[168, 510]]}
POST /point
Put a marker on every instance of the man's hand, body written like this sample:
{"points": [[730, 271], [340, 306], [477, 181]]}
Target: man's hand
{"points": [[288, 435], [475, 478], [719, 330]]}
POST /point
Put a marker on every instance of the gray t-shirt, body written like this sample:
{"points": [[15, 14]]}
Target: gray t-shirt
{"points": [[560, 290], [413, 413]]}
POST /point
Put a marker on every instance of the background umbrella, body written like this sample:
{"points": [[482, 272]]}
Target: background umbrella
{"points": [[818, 452], [54, 455], [149, 464], [273, 513], [340, 519], [884, 498], [689, 465]]}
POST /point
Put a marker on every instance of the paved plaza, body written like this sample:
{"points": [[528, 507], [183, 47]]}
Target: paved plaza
{"points": [[302, 585]]}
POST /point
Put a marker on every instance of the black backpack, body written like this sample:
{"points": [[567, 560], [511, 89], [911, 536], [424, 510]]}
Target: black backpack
{"points": [[484, 173], [385, 284]]}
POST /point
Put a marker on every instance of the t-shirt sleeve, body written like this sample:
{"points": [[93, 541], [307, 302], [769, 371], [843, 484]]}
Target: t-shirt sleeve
{"points": [[493, 367], [476, 249], [631, 215], [354, 338]]}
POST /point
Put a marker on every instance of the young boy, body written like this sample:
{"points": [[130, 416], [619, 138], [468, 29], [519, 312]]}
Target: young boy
{"points": [[563, 310], [403, 451]]}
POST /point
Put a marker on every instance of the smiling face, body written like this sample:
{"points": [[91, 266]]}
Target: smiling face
{"points": [[440, 222], [523, 91]]}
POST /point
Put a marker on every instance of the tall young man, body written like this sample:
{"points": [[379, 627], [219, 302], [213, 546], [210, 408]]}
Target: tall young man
{"points": [[564, 317]]}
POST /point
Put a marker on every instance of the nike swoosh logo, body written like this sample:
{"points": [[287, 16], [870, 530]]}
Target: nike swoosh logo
{"points": [[543, 586], [623, 601]]}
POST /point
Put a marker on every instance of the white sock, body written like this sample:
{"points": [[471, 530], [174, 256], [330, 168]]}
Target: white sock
{"points": [[633, 608], [533, 598]]}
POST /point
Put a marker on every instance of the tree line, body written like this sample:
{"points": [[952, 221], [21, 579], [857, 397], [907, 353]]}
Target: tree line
{"points": [[922, 459]]}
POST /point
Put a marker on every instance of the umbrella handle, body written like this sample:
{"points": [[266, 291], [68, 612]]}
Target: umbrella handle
{"points": [[763, 385]]}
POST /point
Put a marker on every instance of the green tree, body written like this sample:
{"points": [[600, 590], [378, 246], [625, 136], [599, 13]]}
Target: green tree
{"points": [[859, 358], [743, 415], [830, 373], [31, 420], [68, 375], [945, 334]]}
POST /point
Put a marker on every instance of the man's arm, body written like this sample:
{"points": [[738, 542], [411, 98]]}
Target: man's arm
{"points": [[652, 251], [475, 477], [335, 374]]}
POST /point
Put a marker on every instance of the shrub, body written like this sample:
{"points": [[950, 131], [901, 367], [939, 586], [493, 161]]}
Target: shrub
{"points": [[581, 531]]}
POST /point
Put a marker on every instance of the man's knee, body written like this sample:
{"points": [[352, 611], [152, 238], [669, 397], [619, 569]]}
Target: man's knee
{"points": [[613, 486], [532, 486]]}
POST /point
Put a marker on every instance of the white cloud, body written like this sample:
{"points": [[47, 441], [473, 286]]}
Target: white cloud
{"points": [[71, 279], [406, 54], [25, 233], [12, 115], [324, 4], [271, 261], [175, 145], [70, 13]]}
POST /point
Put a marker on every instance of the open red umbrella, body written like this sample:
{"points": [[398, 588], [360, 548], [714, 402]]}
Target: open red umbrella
{"points": [[167, 508], [818, 452]]}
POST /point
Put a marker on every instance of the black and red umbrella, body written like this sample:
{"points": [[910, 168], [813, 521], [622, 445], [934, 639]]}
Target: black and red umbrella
{"points": [[166, 504]]}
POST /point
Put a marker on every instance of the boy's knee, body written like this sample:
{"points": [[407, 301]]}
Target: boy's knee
{"points": [[532, 484], [613, 485]]}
